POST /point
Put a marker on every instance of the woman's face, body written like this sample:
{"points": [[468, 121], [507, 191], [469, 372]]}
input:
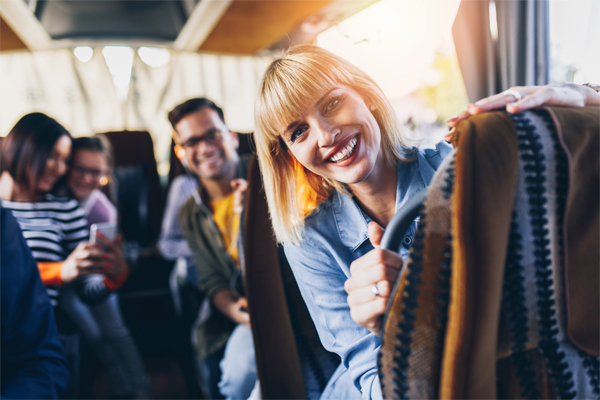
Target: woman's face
{"points": [[56, 165], [87, 168], [337, 138]]}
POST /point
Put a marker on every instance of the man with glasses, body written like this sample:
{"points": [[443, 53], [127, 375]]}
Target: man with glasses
{"points": [[210, 223]]}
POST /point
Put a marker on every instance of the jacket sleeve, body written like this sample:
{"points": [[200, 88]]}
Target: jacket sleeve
{"points": [[33, 362], [212, 276], [171, 242]]}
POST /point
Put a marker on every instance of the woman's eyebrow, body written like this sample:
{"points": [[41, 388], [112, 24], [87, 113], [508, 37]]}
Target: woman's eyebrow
{"points": [[322, 98], [317, 103], [290, 126]]}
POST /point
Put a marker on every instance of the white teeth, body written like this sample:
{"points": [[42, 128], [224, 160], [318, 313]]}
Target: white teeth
{"points": [[345, 152]]}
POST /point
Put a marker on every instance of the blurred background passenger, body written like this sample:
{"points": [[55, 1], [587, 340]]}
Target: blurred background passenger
{"points": [[173, 246], [210, 222], [33, 361], [91, 166], [35, 155], [102, 322]]}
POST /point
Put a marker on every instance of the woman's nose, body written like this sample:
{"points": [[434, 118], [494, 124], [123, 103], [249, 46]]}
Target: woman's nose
{"points": [[327, 134]]}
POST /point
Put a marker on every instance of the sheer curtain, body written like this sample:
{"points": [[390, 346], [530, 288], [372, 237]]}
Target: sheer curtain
{"points": [[83, 98], [79, 95], [519, 55]]}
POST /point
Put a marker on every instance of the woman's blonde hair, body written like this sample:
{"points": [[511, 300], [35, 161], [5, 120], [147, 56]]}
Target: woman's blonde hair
{"points": [[290, 85]]}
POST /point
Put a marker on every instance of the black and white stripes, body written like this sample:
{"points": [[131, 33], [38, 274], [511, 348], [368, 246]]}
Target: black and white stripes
{"points": [[52, 227]]}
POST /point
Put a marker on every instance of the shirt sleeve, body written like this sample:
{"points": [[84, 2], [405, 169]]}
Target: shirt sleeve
{"points": [[171, 242], [50, 272], [321, 282], [33, 363]]}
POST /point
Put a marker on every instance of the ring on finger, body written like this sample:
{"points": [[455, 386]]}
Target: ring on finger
{"points": [[514, 93], [375, 290]]}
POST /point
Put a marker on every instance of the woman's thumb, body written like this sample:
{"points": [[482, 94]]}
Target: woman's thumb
{"points": [[375, 233]]}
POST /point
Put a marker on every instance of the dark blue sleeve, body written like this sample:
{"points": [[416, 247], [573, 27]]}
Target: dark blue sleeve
{"points": [[33, 362]]}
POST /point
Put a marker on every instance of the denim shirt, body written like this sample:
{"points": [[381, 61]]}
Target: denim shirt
{"points": [[335, 235]]}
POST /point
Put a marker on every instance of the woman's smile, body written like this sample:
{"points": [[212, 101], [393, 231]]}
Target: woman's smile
{"points": [[345, 153]]}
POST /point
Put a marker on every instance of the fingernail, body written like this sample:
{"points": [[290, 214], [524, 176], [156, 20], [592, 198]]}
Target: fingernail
{"points": [[452, 118]]}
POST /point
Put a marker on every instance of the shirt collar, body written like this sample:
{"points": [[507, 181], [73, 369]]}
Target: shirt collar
{"points": [[352, 223]]}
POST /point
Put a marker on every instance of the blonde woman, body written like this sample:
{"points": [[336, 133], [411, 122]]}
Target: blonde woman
{"points": [[336, 167]]}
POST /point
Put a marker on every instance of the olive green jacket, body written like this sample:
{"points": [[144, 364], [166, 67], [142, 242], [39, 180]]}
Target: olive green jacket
{"points": [[216, 269]]}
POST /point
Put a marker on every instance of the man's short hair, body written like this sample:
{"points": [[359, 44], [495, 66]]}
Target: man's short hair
{"points": [[191, 106]]}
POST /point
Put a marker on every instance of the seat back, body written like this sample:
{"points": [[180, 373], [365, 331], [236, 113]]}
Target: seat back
{"points": [[291, 362], [140, 200], [491, 299]]}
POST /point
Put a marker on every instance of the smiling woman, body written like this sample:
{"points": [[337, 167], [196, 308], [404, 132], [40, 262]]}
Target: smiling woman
{"points": [[336, 168]]}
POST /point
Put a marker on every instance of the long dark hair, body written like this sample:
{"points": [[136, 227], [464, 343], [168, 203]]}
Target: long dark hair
{"points": [[27, 147]]}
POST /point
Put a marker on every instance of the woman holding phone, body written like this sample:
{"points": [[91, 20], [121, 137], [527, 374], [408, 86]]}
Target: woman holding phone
{"points": [[336, 168], [35, 156]]}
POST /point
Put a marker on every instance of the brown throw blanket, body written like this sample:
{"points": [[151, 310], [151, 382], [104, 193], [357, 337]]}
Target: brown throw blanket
{"points": [[500, 295]]}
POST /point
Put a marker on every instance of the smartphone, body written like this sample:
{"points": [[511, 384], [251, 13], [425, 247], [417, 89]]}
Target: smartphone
{"points": [[108, 229]]}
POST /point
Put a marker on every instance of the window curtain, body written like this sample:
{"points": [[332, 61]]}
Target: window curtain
{"points": [[518, 56], [83, 98]]}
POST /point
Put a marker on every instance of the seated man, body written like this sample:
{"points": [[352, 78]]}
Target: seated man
{"points": [[210, 222], [33, 363]]}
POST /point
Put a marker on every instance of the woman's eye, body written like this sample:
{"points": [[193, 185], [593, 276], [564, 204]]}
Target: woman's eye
{"points": [[297, 133], [332, 104]]}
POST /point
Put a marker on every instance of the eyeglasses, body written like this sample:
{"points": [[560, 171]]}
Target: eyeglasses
{"points": [[210, 136], [95, 173]]}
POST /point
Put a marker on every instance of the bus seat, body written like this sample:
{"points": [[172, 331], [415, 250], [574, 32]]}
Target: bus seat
{"points": [[500, 296], [291, 362], [140, 200], [146, 297]]}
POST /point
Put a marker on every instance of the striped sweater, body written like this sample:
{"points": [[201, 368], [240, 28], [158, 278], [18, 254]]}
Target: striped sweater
{"points": [[53, 227]]}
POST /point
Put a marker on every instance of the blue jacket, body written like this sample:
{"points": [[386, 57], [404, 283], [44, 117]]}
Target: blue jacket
{"points": [[33, 363], [335, 235]]}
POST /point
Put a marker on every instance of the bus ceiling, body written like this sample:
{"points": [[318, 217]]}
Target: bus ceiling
{"points": [[222, 26]]}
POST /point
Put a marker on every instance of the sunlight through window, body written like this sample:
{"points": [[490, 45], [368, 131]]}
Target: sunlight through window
{"points": [[83, 53], [120, 61], [154, 56], [407, 47]]}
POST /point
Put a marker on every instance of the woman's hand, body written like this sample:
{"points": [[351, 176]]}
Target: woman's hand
{"points": [[372, 281], [568, 95], [85, 259], [240, 187], [116, 264]]}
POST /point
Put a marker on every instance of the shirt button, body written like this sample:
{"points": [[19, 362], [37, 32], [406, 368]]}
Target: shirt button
{"points": [[407, 240]]}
